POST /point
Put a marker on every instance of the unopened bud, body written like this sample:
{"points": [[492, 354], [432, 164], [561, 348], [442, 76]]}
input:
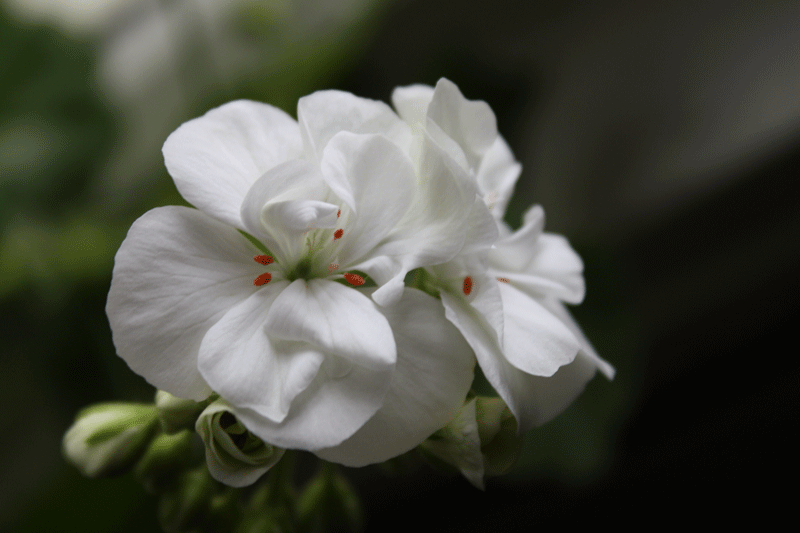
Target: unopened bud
{"points": [[108, 438], [501, 443], [480, 441], [234, 456], [458, 444], [165, 457], [176, 414]]}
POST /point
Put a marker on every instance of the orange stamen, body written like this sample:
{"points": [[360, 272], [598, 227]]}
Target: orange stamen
{"points": [[353, 279], [467, 287], [263, 279]]}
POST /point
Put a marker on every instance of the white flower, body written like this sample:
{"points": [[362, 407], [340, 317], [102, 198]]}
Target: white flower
{"points": [[506, 300], [287, 334]]}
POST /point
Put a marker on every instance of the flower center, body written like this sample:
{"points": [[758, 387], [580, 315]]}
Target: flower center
{"points": [[319, 250]]}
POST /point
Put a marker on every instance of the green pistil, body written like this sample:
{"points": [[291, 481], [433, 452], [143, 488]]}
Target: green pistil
{"points": [[420, 279], [302, 270]]}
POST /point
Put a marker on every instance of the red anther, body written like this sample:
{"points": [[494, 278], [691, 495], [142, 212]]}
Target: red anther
{"points": [[338, 234], [263, 279], [264, 259], [503, 280], [338, 213], [467, 287], [333, 266], [353, 279]]}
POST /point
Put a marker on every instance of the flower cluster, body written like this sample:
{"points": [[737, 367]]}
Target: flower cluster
{"points": [[340, 277]]}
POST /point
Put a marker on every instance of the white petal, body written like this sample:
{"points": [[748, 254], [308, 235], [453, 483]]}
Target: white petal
{"points": [[412, 102], [516, 251], [175, 275], [265, 204], [376, 179], [560, 310], [299, 216], [510, 383], [471, 123], [329, 411], [481, 328], [214, 159], [434, 229], [433, 374], [570, 288], [556, 260], [535, 341], [251, 370], [323, 114], [338, 319], [482, 232], [539, 264], [543, 398], [517, 388], [497, 174]]}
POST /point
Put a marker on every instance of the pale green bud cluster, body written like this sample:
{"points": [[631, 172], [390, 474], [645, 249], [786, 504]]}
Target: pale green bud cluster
{"points": [[194, 455]]}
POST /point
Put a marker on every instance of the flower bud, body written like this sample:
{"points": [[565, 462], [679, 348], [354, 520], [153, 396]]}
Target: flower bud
{"points": [[458, 444], [501, 443], [176, 413], [481, 440], [164, 458], [234, 456], [107, 438]]}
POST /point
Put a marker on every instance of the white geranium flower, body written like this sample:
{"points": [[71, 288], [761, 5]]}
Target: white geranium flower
{"points": [[289, 335], [506, 301]]}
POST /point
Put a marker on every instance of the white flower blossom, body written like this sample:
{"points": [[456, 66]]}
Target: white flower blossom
{"points": [[288, 332], [507, 300]]}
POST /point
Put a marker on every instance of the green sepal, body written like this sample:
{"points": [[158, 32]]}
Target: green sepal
{"points": [[165, 458], [329, 503], [186, 506]]}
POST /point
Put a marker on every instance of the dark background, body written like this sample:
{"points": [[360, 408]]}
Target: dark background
{"points": [[662, 140]]}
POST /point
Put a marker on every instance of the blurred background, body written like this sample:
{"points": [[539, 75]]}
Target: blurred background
{"points": [[663, 140]]}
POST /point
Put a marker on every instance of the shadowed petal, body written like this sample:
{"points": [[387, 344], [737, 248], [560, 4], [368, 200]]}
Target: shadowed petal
{"points": [[433, 374], [539, 350], [329, 411], [535, 341]]}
